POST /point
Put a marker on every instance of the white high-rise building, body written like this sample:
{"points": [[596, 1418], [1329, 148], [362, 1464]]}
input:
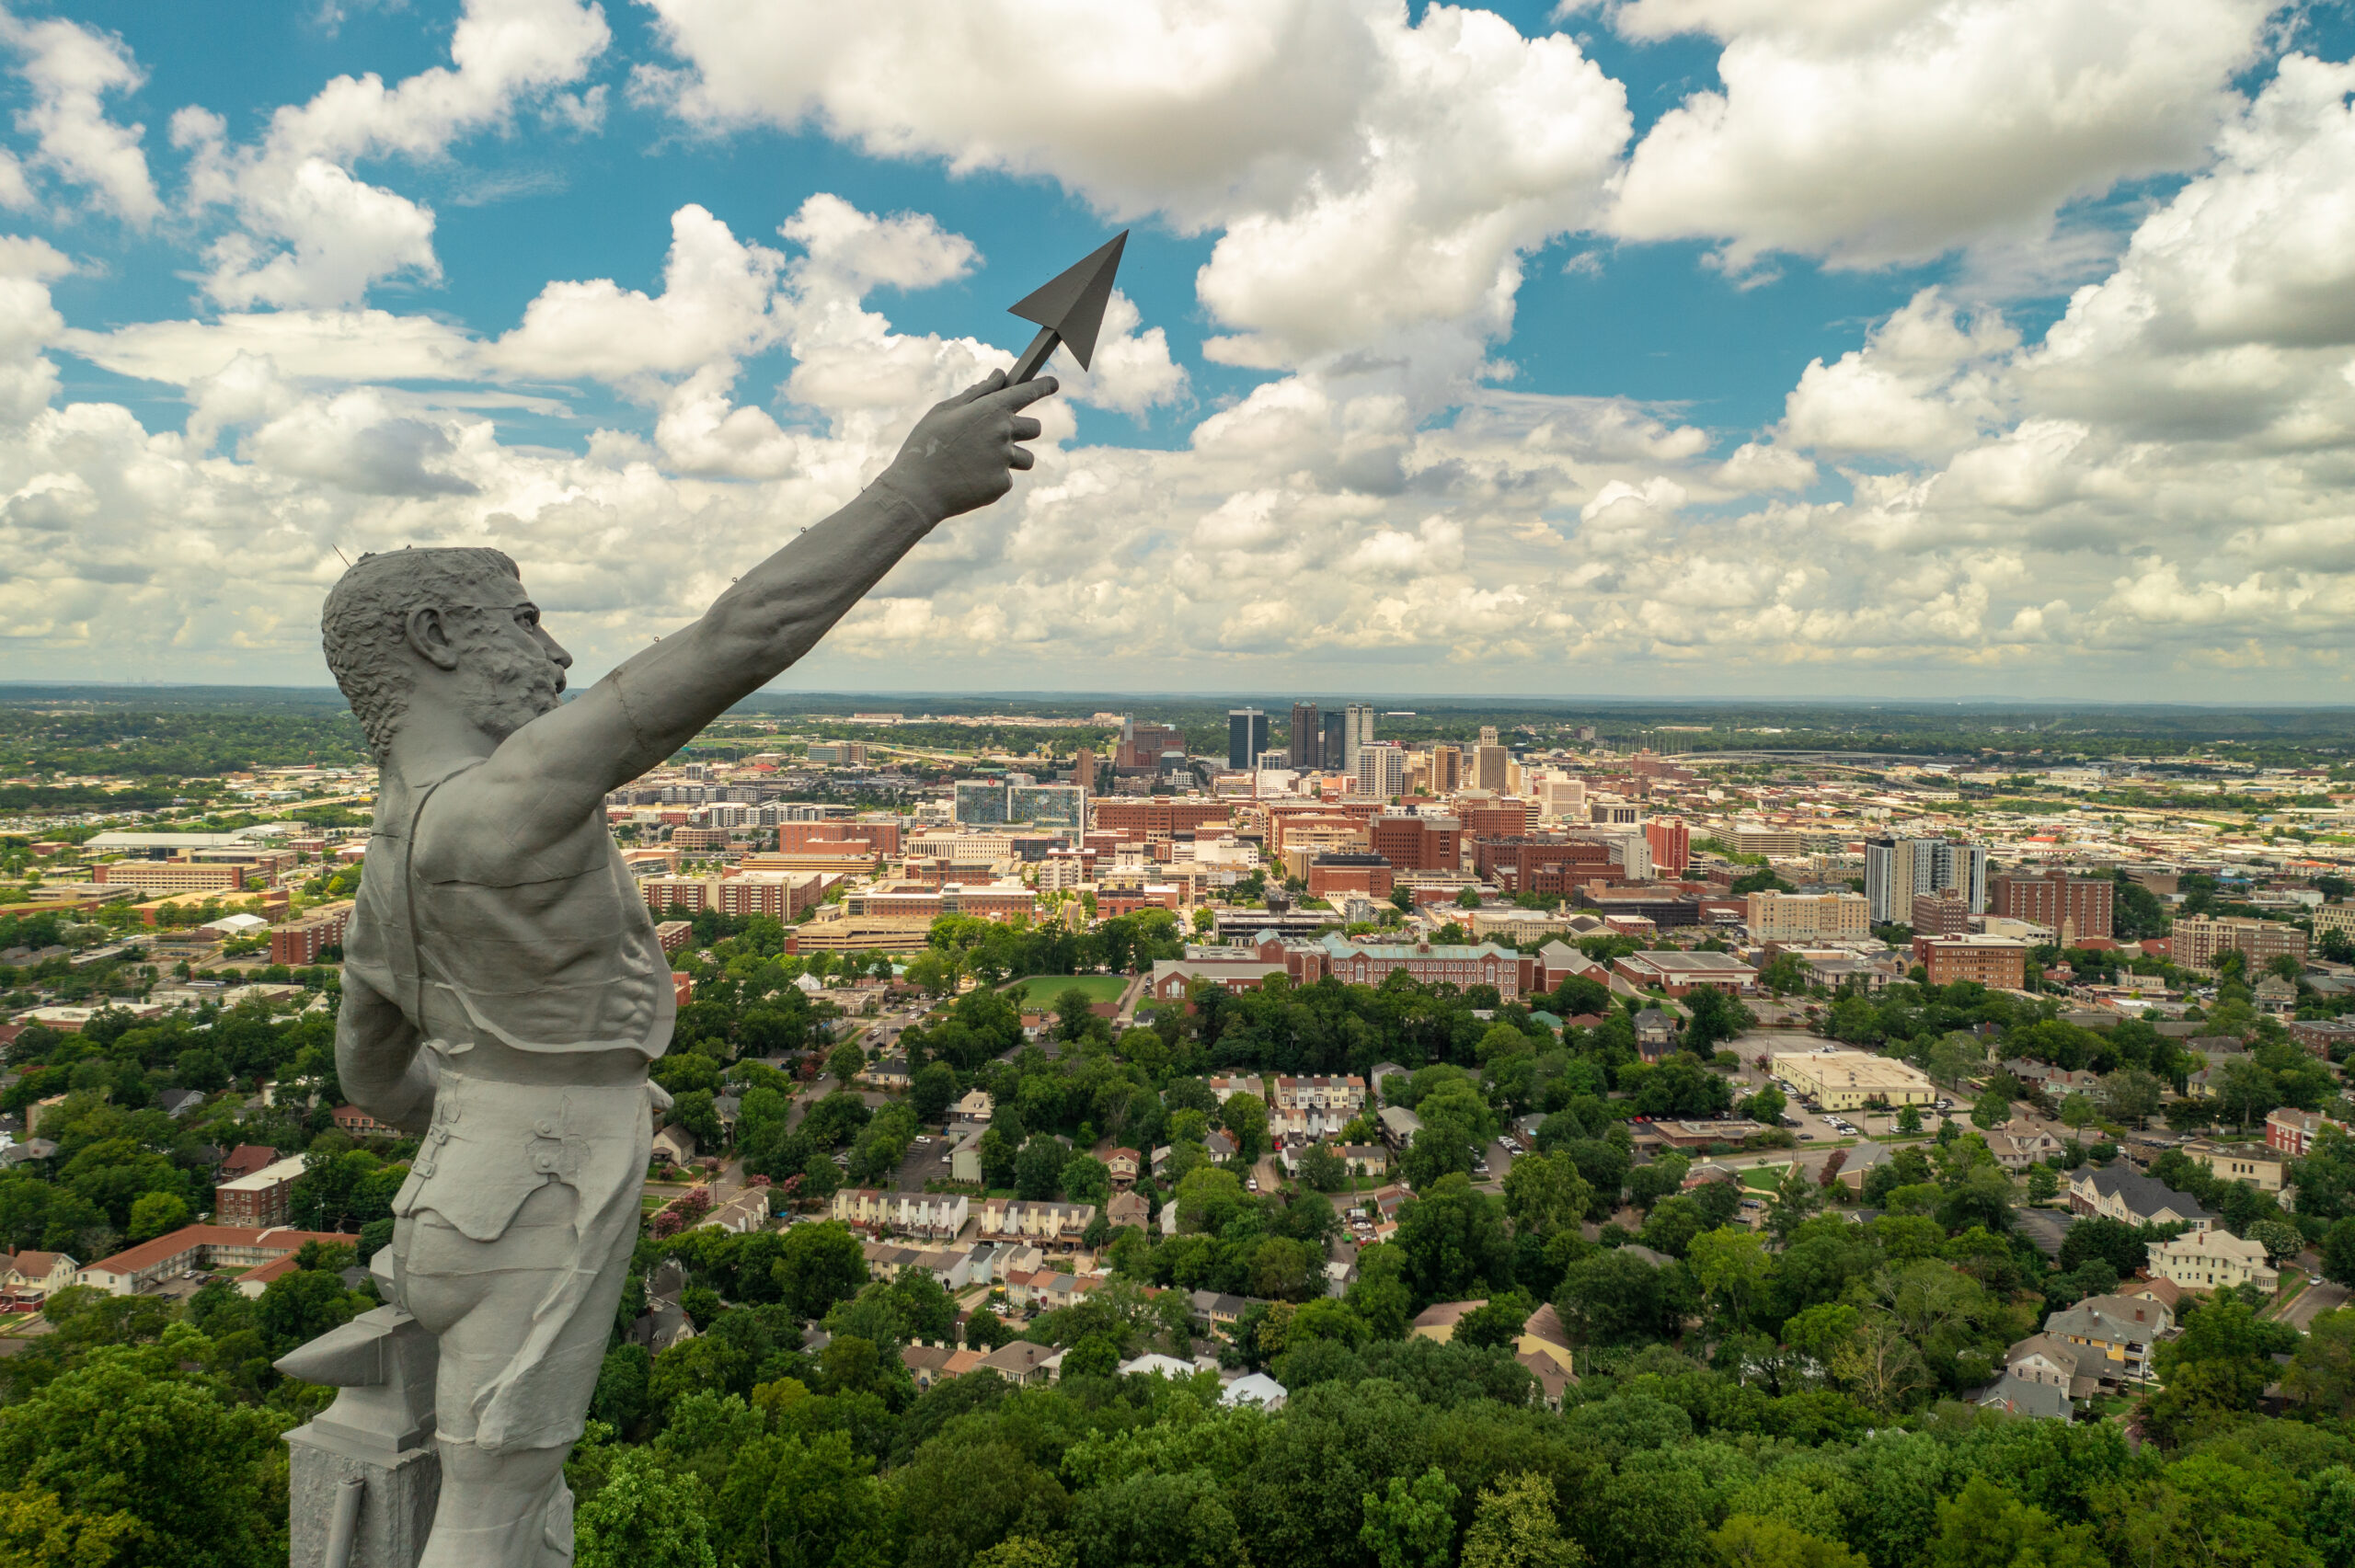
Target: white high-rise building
{"points": [[1380, 770], [1357, 735]]}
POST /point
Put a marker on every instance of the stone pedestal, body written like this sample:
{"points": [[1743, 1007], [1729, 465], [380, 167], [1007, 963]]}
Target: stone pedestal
{"points": [[399, 1490], [364, 1477]]}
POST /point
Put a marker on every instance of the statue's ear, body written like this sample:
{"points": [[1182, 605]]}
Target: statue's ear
{"points": [[431, 638]]}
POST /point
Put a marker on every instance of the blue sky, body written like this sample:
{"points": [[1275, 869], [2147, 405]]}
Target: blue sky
{"points": [[1709, 347]]}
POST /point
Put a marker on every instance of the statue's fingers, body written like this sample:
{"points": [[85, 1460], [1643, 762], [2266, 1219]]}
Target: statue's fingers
{"points": [[1018, 457], [1024, 393], [1025, 429], [981, 388]]}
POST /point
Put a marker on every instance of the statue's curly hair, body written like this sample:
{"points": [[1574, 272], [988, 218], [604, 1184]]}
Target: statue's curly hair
{"points": [[365, 621]]}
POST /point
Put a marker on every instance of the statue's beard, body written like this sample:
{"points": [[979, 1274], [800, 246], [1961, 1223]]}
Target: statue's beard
{"points": [[507, 692]]}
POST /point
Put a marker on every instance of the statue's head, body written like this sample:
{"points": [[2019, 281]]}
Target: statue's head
{"points": [[442, 626]]}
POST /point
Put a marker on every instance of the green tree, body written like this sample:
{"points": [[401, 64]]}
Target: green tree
{"points": [[1454, 1242], [1039, 1169], [1985, 1527], [1751, 1540], [788, 1503], [645, 1516], [1085, 1179], [128, 1434], [1245, 1116], [2322, 1369], [1413, 1524], [1322, 1168], [816, 1266], [2043, 1182], [1909, 1118], [153, 1214], [1543, 1193], [1991, 1110], [843, 1062], [1514, 1526], [934, 1092]]}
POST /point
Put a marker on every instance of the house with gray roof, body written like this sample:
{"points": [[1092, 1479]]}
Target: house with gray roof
{"points": [[2113, 1335], [2118, 1191]]}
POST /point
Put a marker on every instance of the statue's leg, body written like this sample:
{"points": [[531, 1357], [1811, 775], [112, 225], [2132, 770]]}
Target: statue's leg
{"points": [[508, 1507]]}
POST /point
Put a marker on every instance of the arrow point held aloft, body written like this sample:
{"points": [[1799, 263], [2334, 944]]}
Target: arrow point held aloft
{"points": [[1072, 303]]}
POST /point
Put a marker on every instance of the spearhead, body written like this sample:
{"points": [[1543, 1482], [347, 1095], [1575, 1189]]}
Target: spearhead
{"points": [[1069, 309]]}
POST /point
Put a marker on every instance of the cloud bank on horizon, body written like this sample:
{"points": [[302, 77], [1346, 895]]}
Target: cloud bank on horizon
{"points": [[2095, 435]]}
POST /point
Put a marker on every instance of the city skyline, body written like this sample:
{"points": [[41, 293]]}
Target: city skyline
{"points": [[2005, 360]]}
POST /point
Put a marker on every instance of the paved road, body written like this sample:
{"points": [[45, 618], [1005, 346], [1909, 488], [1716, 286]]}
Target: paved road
{"points": [[2312, 1301]]}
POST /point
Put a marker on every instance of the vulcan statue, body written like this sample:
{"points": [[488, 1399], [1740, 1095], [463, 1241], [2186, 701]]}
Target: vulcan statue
{"points": [[503, 992]]}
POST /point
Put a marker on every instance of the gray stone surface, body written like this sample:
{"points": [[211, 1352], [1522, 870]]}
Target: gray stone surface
{"points": [[503, 992], [395, 1509]]}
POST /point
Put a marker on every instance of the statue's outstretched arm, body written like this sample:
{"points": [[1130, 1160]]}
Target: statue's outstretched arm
{"points": [[959, 456]]}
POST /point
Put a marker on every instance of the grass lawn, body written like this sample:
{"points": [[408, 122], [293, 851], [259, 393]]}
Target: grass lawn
{"points": [[1764, 1178], [1041, 990]]}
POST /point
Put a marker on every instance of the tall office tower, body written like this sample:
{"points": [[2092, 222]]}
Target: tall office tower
{"points": [[1306, 749], [1671, 844], [1381, 770], [1361, 735], [1962, 867], [1491, 765], [1247, 737], [1447, 770], [1890, 878], [1333, 758], [1083, 769], [1488, 735]]}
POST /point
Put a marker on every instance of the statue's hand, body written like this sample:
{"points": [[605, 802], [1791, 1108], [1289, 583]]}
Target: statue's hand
{"points": [[963, 454]]}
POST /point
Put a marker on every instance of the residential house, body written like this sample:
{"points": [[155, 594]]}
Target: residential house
{"points": [[1215, 1312], [888, 1073], [1123, 1164], [32, 1277], [1056, 1225], [1128, 1208], [976, 1106], [2056, 1082], [2120, 1332], [1258, 1389], [938, 1217], [1438, 1320], [2293, 1131], [2017, 1395], [2213, 1260], [2118, 1191], [2048, 1360], [1399, 1125], [1365, 1158], [1022, 1363], [675, 1145], [2020, 1144], [1655, 1034], [747, 1211]]}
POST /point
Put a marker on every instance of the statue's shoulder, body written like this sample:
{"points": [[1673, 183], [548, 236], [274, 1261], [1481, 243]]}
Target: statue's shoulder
{"points": [[479, 830]]}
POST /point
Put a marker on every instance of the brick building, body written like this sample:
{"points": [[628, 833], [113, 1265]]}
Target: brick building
{"points": [[1806, 917], [1672, 845], [2200, 942], [303, 941], [1417, 843], [262, 1197], [1138, 822], [1344, 876], [1524, 858], [2072, 907], [1943, 913], [1995, 961]]}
